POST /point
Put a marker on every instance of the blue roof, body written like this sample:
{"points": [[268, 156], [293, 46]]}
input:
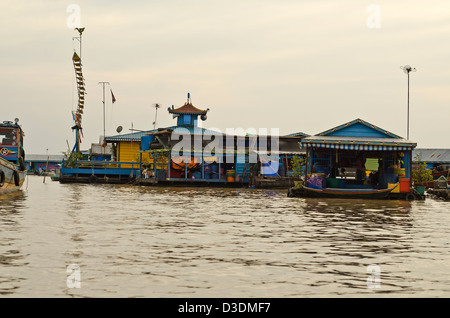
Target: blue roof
{"points": [[358, 135], [359, 128]]}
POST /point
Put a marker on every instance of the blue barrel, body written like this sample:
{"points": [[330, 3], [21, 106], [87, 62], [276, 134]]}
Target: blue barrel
{"points": [[208, 168], [145, 142], [207, 175], [214, 168], [197, 175], [214, 175]]}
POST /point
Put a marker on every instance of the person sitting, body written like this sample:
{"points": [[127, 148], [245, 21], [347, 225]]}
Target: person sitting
{"points": [[145, 173]]}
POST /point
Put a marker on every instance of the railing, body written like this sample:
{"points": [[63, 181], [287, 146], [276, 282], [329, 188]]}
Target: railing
{"points": [[92, 164]]}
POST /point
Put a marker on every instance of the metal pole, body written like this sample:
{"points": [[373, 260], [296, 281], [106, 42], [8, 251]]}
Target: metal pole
{"points": [[407, 134], [104, 129]]}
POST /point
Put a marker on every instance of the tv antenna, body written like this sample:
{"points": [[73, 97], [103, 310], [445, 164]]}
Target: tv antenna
{"points": [[156, 114], [407, 69]]}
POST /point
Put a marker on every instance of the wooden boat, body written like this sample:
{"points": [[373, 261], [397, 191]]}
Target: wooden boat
{"points": [[346, 193], [12, 155]]}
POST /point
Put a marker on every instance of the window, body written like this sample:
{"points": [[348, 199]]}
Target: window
{"points": [[8, 137]]}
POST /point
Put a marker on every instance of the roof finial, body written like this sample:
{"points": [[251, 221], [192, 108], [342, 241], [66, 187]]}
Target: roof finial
{"points": [[189, 98]]}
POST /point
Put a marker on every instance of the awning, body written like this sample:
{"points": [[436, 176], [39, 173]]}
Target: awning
{"points": [[358, 147], [358, 143]]}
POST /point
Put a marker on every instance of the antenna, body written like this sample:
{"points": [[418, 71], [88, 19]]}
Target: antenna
{"points": [[80, 31], [407, 69], [156, 114]]}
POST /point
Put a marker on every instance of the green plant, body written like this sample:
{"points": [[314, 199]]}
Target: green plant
{"points": [[70, 158], [420, 173], [298, 166]]}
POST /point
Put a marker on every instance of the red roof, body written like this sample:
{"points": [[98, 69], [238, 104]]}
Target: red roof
{"points": [[187, 108]]}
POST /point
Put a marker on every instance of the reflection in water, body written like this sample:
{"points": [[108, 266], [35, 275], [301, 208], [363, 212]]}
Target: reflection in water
{"points": [[11, 254], [134, 241]]}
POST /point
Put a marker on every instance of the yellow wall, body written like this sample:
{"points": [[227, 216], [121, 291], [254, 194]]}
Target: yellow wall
{"points": [[128, 152]]}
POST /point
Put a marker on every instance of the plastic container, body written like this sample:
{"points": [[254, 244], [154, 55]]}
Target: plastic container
{"points": [[230, 179], [197, 175], [333, 183], [395, 187], [214, 168], [420, 189], [404, 185], [231, 173]]}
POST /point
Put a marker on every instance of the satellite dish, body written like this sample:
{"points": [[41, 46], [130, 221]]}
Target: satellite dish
{"points": [[119, 129], [16, 120], [203, 117]]}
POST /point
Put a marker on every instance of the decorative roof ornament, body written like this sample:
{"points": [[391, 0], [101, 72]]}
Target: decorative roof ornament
{"points": [[188, 109]]}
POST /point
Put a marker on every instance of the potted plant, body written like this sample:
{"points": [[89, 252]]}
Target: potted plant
{"points": [[298, 169], [420, 174]]}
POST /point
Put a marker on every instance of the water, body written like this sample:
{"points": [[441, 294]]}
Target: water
{"points": [[130, 241]]}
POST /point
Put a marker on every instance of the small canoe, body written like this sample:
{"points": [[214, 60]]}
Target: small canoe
{"points": [[347, 193]]}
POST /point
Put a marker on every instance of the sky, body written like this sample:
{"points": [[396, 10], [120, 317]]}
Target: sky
{"points": [[294, 65]]}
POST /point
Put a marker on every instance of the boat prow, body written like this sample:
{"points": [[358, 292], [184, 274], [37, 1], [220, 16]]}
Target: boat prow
{"points": [[11, 178]]}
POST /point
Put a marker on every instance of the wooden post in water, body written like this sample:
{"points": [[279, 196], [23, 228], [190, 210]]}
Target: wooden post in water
{"points": [[46, 168]]}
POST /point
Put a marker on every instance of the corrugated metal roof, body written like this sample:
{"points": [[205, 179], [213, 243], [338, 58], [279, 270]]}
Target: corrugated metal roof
{"points": [[297, 134], [41, 158], [181, 129], [432, 155], [129, 137]]}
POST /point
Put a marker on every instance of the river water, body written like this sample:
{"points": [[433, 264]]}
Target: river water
{"points": [[82, 240]]}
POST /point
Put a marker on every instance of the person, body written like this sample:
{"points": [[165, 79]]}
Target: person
{"points": [[360, 170], [380, 166], [145, 173]]}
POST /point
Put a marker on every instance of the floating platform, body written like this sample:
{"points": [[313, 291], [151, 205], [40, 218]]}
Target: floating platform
{"points": [[440, 193], [274, 182]]}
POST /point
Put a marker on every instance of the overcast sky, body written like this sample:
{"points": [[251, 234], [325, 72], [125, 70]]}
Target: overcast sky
{"points": [[290, 64]]}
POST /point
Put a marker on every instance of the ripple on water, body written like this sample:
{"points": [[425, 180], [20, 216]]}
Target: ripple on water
{"points": [[197, 242]]}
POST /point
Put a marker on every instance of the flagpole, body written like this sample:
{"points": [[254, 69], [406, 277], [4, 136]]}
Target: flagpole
{"points": [[104, 129]]}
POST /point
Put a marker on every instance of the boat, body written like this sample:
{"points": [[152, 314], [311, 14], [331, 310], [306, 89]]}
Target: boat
{"points": [[346, 193], [12, 156]]}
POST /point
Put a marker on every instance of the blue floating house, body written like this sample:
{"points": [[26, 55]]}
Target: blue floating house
{"points": [[37, 163], [360, 156], [187, 153]]}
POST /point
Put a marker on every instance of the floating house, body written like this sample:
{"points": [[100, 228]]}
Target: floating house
{"points": [[186, 154], [37, 164], [189, 154], [436, 160], [357, 159]]}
